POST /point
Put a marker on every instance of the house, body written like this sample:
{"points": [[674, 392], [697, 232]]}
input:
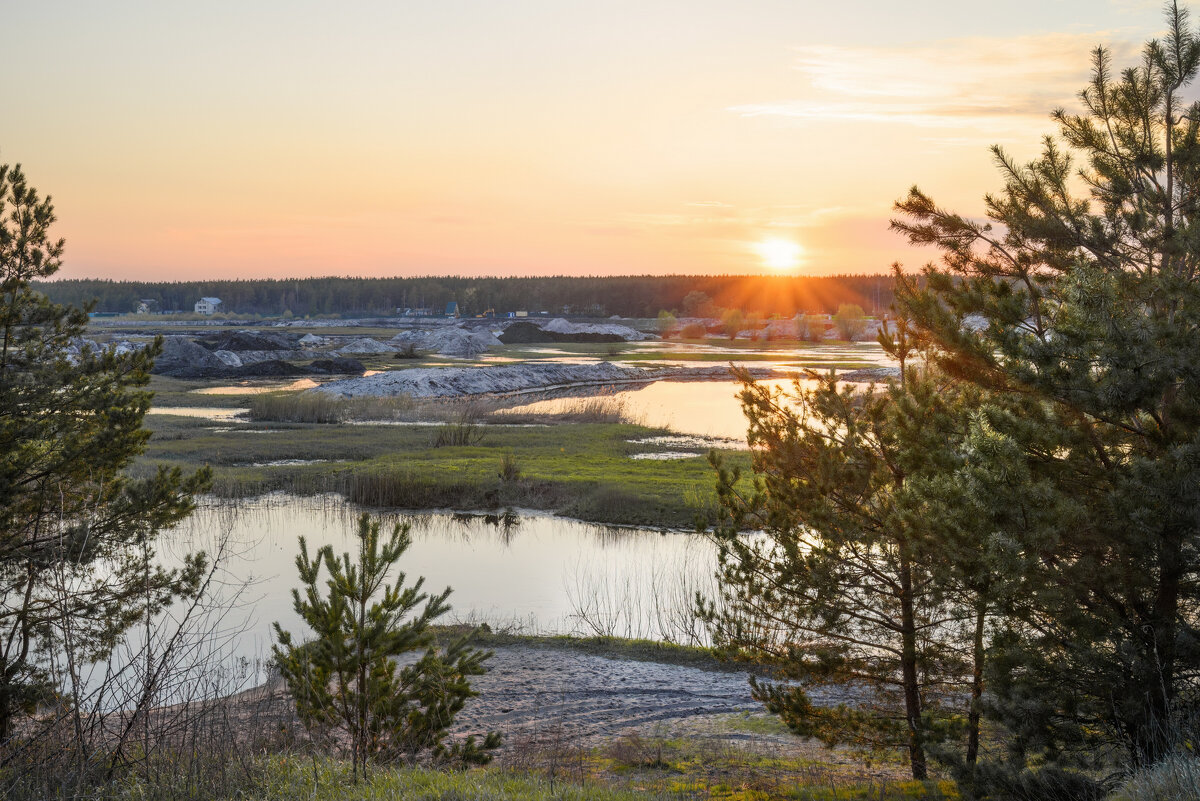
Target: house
{"points": [[452, 309], [208, 305], [148, 306]]}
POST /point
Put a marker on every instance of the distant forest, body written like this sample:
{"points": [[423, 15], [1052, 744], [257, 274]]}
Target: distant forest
{"points": [[628, 296]]}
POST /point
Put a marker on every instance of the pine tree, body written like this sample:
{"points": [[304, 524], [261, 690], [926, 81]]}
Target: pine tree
{"points": [[346, 678], [1087, 310], [70, 423], [851, 585]]}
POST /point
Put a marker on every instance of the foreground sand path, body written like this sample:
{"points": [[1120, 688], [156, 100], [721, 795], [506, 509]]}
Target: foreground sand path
{"points": [[542, 693]]}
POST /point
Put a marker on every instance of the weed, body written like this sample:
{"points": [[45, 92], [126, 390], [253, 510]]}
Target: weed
{"points": [[510, 469]]}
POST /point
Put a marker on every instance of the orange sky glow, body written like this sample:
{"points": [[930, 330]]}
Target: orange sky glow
{"points": [[529, 137]]}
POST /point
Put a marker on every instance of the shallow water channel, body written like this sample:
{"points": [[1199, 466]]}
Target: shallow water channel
{"points": [[699, 408], [535, 572]]}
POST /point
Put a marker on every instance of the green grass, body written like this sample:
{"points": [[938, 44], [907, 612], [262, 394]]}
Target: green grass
{"points": [[690, 766], [630, 769], [331, 780], [580, 470]]}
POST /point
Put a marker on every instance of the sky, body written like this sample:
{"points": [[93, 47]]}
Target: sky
{"points": [[265, 138]]}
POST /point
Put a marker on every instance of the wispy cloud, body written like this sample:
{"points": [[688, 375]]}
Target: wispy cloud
{"points": [[960, 83], [719, 218]]}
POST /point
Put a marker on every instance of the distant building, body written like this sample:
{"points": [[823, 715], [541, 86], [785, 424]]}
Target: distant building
{"points": [[451, 309], [208, 305], [148, 306]]}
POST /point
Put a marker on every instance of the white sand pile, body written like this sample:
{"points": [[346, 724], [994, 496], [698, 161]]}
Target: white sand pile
{"points": [[230, 358], [452, 382], [448, 340], [561, 326], [313, 341]]}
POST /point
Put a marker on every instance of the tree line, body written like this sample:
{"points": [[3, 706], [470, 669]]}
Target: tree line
{"points": [[627, 296]]}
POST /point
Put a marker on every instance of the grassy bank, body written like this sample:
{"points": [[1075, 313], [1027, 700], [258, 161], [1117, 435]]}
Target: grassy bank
{"points": [[581, 470], [630, 769]]}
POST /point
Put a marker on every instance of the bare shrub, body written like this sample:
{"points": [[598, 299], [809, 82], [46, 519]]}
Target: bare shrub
{"points": [[163, 713]]}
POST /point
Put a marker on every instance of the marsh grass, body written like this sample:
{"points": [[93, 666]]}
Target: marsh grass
{"points": [[321, 407], [510, 468], [602, 408], [581, 470]]}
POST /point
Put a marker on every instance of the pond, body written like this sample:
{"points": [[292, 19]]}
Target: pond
{"points": [[534, 572], [700, 408]]}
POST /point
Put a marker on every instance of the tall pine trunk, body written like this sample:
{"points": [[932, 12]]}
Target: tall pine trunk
{"points": [[908, 667], [977, 657]]}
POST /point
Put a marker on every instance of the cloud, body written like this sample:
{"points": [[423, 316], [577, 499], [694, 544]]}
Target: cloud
{"points": [[958, 83], [714, 218]]}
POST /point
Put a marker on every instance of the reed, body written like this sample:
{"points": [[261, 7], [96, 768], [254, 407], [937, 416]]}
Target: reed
{"points": [[602, 408]]}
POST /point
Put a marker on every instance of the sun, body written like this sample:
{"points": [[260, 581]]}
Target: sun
{"points": [[778, 253]]}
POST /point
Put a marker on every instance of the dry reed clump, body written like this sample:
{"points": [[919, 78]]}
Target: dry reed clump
{"points": [[510, 469], [602, 408], [320, 407]]}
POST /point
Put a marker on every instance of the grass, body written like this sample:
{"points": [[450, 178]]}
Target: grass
{"points": [[320, 407], [1175, 778], [662, 764], [580, 470], [630, 769], [173, 392], [603, 408]]}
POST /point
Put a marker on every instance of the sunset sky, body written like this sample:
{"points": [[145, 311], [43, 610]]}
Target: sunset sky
{"points": [[526, 137]]}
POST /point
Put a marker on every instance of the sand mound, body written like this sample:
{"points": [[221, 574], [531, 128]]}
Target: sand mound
{"points": [[448, 340], [452, 382]]}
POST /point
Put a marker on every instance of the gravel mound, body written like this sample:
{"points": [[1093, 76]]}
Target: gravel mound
{"points": [[560, 330], [363, 345], [448, 340], [453, 382], [567, 328], [523, 333], [337, 366], [271, 368], [183, 358], [247, 340]]}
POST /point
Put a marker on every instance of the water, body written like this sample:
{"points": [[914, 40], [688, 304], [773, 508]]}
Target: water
{"points": [[700, 408], [537, 572]]}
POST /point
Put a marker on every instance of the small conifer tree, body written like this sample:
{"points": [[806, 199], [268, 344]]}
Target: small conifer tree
{"points": [[351, 679]]}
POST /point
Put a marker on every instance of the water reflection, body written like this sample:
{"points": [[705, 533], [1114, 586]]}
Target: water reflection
{"points": [[701, 408], [507, 568]]}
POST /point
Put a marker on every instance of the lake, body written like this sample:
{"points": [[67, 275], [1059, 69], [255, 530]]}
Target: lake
{"points": [[530, 571]]}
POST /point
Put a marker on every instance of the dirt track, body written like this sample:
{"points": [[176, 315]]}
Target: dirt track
{"points": [[535, 693]]}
